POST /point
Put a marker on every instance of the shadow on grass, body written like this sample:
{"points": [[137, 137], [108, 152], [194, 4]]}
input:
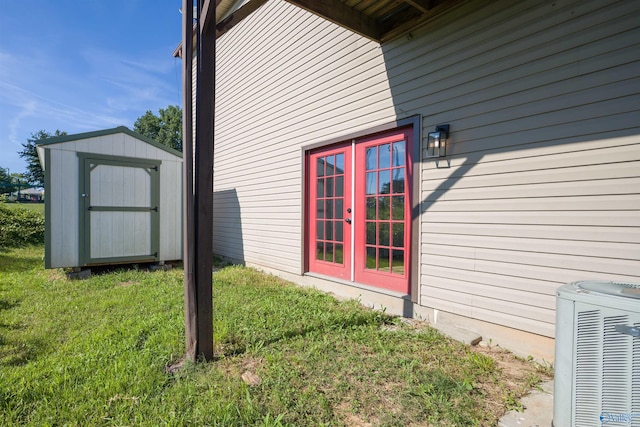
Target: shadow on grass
{"points": [[236, 345], [13, 263], [16, 353], [21, 352]]}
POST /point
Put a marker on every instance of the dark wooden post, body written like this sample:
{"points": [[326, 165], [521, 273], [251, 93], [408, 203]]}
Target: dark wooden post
{"points": [[188, 243], [203, 212], [198, 198]]}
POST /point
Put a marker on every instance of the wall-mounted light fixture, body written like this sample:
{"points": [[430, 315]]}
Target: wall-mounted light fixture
{"points": [[437, 141]]}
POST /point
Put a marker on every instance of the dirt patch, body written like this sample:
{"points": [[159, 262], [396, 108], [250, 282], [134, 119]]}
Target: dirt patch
{"points": [[519, 377], [127, 284]]}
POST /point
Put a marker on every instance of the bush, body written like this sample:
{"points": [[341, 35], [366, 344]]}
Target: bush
{"points": [[20, 226]]}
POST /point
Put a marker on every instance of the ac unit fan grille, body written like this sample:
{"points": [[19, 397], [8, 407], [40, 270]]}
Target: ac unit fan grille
{"points": [[588, 361], [605, 381]]}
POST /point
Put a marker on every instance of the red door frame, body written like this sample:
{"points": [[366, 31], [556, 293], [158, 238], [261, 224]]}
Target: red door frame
{"points": [[367, 276]]}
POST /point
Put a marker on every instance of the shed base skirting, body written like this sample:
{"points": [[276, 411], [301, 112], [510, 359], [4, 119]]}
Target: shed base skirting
{"points": [[521, 343]]}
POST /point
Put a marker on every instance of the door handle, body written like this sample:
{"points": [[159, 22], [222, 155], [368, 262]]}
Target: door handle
{"points": [[348, 220]]}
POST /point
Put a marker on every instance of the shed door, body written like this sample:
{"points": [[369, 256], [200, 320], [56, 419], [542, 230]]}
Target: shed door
{"points": [[120, 212]]}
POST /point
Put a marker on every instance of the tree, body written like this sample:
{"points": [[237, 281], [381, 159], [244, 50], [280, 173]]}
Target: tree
{"points": [[165, 128], [34, 173], [6, 182]]}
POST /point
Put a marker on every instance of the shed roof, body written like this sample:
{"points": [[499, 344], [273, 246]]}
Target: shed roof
{"points": [[94, 134]]}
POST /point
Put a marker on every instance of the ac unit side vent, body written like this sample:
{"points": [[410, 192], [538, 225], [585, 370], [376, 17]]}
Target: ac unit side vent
{"points": [[597, 379], [588, 359], [635, 380], [616, 367]]}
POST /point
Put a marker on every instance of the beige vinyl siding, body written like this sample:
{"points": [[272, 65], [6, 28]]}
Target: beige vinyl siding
{"points": [[544, 182], [303, 75], [541, 184]]}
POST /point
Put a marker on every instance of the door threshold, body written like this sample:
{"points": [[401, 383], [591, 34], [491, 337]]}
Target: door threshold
{"points": [[360, 286]]}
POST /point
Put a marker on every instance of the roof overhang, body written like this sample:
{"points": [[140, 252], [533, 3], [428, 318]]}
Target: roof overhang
{"points": [[377, 20]]}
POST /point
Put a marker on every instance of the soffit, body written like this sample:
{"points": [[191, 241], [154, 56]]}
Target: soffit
{"points": [[378, 20]]}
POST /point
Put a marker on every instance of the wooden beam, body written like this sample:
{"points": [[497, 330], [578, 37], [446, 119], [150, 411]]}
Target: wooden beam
{"points": [[422, 5], [188, 230], [345, 16], [207, 14], [439, 7], [199, 240], [237, 16]]}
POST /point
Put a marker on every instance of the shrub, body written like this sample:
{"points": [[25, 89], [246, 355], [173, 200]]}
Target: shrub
{"points": [[20, 226]]}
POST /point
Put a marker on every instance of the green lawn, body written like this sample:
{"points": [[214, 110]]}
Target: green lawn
{"points": [[95, 352], [37, 207]]}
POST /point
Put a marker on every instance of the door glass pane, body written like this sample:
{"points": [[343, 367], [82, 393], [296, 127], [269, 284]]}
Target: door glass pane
{"points": [[328, 212], [385, 156], [398, 262], [398, 234], [320, 230], [398, 180], [320, 187], [328, 253], [319, 209], [339, 236], [371, 158], [328, 187], [371, 208], [331, 170], [383, 233], [339, 163], [339, 186], [320, 166], [371, 258], [320, 251], [339, 253], [383, 259], [398, 207], [398, 153], [384, 182], [328, 230], [339, 208], [383, 207], [371, 233], [371, 183]]}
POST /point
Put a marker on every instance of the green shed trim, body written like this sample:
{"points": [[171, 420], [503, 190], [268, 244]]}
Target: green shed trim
{"points": [[47, 209], [84, 179], [105, 132]]}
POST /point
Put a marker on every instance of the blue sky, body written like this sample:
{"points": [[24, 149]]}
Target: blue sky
{"points": [[83, 65]]}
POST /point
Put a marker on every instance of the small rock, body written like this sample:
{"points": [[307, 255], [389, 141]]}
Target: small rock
{"points": [[251, 379]]}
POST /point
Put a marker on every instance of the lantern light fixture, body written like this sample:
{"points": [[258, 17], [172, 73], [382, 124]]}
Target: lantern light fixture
{"points": [[437, 141]]}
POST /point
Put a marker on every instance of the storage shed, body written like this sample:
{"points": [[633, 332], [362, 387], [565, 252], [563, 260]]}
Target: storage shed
{"points": [[113, 197]]}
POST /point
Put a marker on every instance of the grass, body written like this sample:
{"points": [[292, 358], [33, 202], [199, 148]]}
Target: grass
{"points": [[95, 352], [37, 207]]}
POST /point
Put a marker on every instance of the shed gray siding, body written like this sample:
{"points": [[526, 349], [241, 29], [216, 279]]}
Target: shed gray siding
{"points": [[63, 195], [541, 184]]}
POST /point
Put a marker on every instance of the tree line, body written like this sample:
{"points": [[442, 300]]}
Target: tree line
{"points": [[165, 128]]}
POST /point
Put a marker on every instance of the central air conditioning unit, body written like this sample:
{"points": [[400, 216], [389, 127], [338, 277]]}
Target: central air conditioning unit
{"points": [[597, 358]]}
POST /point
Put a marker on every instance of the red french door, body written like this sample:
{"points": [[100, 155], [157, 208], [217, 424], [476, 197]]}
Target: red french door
{"points": [[383, 211], [330, 211], [375, 201]]}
